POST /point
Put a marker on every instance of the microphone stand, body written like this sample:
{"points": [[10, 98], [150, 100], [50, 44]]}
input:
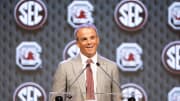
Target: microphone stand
{"points": [[69, 96], [107, 74]]}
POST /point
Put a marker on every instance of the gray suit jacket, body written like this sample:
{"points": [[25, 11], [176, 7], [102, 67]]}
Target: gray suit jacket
{"points": [[68, 71]]}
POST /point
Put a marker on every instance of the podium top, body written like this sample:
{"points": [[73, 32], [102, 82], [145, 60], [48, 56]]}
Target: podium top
{"points": [[67, 96]]}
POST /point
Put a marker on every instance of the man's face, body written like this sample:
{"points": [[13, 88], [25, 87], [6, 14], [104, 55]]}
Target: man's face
{"points": [[87, 41]]}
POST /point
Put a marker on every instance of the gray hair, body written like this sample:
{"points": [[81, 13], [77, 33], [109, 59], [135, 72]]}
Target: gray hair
{"points": [[84, 26]]}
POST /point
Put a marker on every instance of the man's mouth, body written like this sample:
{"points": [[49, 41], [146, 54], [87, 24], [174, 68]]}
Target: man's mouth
{"points": [[89, 47]]}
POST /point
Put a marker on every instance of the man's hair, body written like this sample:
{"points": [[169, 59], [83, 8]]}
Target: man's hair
{"points": [[84, 26]]}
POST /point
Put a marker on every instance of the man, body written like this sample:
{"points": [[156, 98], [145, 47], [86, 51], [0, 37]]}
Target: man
{"points": [[72, 75]]}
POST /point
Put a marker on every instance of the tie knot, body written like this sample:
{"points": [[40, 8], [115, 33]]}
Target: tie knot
{"points": [[89, 61]]}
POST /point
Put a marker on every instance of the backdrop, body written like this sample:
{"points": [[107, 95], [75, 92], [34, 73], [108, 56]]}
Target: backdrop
{"points": [[56, 33]]}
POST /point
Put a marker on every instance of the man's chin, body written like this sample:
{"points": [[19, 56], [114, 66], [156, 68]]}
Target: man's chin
{"points": [[90, 55]]}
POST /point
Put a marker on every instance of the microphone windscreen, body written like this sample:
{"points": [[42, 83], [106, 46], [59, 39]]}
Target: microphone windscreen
{"points": [[97, 64]]}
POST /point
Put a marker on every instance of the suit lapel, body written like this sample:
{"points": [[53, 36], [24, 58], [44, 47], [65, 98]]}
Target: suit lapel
{"points": [[81, 80], [100, 78]]}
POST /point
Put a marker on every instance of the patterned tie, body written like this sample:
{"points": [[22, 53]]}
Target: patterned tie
{"points": [[89, 81]]}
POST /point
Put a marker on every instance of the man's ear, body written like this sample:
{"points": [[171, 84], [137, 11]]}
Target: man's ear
{"points": [[77, 43], [98, 40]]}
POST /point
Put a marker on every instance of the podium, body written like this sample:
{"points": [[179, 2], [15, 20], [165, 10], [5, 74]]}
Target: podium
{"points": [[66, 96], [61, 96]]}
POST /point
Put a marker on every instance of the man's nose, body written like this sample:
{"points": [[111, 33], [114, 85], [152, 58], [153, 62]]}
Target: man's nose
{"points": [[89, 41]]}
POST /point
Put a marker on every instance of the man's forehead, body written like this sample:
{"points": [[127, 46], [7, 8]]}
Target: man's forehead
{"points": [[86, 35]]}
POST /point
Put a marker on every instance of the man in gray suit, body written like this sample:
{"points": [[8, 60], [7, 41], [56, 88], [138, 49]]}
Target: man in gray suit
{"points": [[71, 74]]}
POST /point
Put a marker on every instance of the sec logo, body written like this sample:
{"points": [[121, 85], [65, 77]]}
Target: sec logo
{"points": [[30, 14], [130, 15], [70, 50], [133, 92], [29, 91], [171, 57]]}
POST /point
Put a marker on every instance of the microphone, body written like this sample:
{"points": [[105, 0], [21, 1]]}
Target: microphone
{"points": [[68, 95], [98, 64], [87, 65]]}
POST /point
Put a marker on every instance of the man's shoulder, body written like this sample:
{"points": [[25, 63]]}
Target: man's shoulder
{"points": [[69, 60], [106, 60]]}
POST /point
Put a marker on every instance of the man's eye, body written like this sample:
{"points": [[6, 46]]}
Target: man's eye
{"points": [[93, 37], [83, 39]]}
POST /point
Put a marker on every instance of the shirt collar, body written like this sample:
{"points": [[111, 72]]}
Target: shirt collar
{"points": [[84, 58]]}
